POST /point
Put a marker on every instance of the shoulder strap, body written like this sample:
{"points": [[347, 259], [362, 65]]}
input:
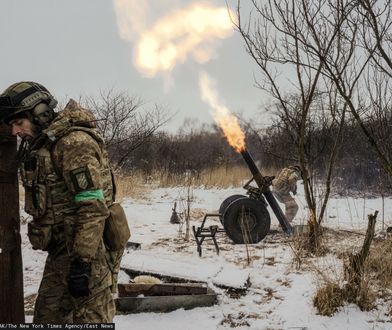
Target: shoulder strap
{"points": [[114, 186]]}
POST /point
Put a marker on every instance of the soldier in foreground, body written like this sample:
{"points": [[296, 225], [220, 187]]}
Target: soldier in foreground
{"points": [[284, 183], [69, 192]]}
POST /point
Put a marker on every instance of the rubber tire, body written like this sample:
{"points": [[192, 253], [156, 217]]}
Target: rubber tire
{"points": [[226, 203], [260, 221]]}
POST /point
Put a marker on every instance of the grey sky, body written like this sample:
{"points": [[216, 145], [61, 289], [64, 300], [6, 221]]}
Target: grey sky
{"points": [[73, 47]]}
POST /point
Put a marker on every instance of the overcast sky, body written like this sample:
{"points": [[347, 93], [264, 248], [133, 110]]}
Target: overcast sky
{"points": [[75, 47]]}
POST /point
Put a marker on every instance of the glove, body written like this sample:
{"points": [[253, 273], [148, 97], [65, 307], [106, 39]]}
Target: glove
{"points": [[78, 279], [269, 179]]}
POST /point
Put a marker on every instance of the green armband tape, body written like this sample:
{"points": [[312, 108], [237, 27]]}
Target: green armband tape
{"points": [[89, 195]]}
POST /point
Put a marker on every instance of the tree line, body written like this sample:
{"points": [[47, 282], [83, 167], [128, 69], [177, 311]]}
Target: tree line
{"points": [[137, 143]]}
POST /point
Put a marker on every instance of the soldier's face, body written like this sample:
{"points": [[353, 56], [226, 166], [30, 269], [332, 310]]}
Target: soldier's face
{"points": [[23, 128]]}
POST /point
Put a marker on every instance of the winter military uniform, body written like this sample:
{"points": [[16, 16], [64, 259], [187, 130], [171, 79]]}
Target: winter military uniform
{"points": [[282, 185], [68, 191]]}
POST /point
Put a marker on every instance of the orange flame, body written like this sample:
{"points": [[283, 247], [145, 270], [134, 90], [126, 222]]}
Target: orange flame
{"points": [[191, 31], [222, 115]]}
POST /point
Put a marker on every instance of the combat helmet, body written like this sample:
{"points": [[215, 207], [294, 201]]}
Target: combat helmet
{"points": [[297, 169], [22, 99]]}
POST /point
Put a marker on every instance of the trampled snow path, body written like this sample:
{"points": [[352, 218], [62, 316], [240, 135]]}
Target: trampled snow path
{"points": [[279, 296]]}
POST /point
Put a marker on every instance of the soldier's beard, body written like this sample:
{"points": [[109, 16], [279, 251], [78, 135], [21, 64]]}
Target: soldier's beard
{"points": [[36, 130], [31, 133]]}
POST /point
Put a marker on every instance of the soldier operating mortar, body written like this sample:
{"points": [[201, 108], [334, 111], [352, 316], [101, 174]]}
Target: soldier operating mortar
{"points": [[282, 185]]}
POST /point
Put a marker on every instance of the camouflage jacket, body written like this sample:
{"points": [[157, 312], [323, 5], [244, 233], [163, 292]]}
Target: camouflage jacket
{"points": [[286, 181], [68, 185]]}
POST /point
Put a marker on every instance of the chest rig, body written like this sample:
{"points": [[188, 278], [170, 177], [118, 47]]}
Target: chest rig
{"points": [[47, 197]]}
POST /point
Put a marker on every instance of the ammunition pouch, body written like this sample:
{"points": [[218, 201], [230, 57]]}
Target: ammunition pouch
{"points": [[116, 232], [40, 235], [35, 200]]}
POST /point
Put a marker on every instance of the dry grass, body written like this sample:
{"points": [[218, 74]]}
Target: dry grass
{"points": [[167, 179], [137, 184], [329, 298], [298, 246], [334, 289], [379, 264], [222, 177], [367, 296], [131, 186]]}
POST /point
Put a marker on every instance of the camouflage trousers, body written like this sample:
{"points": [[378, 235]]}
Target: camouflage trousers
{"points": [[291, 206], [54, 304]]}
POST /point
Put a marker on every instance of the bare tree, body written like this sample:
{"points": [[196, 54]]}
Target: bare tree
{"points": [[346, 63], [277, 36], [124, 122], [360, 52], [376, 23]]}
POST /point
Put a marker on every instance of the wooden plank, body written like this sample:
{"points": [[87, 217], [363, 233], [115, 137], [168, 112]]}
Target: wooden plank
{"points": [[164, 289], [163, 304]]}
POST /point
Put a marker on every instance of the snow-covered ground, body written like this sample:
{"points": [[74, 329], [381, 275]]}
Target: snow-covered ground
{"points": [[279, 296]]}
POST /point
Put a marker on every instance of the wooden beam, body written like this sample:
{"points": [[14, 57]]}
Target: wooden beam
{"points": [[11, 270]]}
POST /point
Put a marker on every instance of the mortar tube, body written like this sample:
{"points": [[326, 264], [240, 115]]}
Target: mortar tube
{"points": [[259, 179]]}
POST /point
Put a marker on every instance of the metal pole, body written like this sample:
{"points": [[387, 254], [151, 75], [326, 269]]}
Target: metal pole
{"points": [[11, 271]]}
